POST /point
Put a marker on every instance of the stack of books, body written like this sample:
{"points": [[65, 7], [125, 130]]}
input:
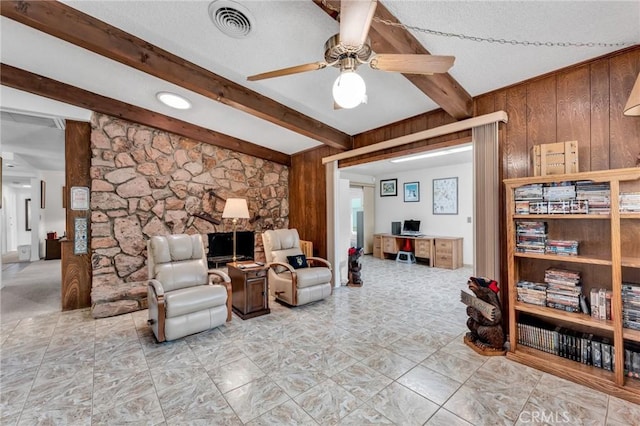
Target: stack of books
{"points": [[562, 198], [530, 236], [527, 195], [600, 300], [630, 202], [563, 289], [562, 247], [529, 192], [632, 360], [533, 293], [631, 306], [559, 191], [597, 195], [574, 345]]}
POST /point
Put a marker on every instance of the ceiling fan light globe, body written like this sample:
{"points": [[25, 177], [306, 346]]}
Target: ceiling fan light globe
{"points": [[349, 90]]}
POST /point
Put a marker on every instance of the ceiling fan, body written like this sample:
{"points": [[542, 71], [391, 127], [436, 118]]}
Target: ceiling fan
{"points": [[351, 48]]}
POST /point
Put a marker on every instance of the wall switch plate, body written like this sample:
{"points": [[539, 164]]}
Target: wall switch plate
{"points": [[468, 219]]}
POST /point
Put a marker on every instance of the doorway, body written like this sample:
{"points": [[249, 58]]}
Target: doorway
{"points": [[33, 169]]}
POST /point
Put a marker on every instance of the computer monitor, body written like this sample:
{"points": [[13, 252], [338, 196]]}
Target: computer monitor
{"points": [[411, 226], [395, 228]]}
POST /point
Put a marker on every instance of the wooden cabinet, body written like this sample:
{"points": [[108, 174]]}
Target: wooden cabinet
{"points": [[377, 246], [448, 253], [423, 249], [52, 249], [608, 255], [390, 245], [250, 289]]}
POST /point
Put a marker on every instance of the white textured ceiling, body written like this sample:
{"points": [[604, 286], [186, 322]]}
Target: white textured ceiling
{"points": [[293, 32]]}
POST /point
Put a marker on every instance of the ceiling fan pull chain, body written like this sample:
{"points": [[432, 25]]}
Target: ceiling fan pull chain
{"points": [[502, 40]]}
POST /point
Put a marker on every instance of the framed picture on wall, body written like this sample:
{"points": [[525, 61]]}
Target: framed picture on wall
{"points": [[43, 193], [389, 188], [445, 196], [27, 214], [411, 192]]}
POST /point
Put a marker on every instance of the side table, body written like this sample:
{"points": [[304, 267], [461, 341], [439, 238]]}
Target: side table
{"points": [[249, 288]]}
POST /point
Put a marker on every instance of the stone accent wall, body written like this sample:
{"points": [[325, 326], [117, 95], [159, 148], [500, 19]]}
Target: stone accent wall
{"points": [[148, 182]]}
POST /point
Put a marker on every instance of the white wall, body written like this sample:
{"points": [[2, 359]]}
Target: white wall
{"points": [[394, 209], [13, 223], [53, 215], [344, 225], [9, 219], [37, 229]]}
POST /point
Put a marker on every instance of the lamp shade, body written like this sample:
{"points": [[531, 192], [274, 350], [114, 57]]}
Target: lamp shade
{"points": [[236, 208], [633, 104]]}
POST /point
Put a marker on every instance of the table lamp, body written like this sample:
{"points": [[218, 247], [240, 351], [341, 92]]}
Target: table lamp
{"points": [[235, 208]]}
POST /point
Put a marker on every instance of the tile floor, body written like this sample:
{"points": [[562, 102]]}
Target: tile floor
{"points": [[390, 352]]}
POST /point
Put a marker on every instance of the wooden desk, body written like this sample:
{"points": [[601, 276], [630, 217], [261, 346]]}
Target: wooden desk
{"points": [[442, 252], [250, 290]]}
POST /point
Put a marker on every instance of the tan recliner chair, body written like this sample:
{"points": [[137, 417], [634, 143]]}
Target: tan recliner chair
{"points": [[182, 296], [287, 284]]}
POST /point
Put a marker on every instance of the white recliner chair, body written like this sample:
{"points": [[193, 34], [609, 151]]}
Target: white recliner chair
{"points": [[183, 298], [286, 283]]}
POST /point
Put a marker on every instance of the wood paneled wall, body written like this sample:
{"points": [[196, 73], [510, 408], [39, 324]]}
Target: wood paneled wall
{"points": [[410, 125], [583, 102], [307, 197], [76, 269]]}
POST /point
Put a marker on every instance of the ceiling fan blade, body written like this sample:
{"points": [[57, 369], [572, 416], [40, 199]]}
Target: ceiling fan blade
{"points": [[355, 20], [412, 64], [288, 71]]}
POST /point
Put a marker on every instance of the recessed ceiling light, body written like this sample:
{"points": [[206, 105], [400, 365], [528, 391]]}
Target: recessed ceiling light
{"points": [[172, 100]]}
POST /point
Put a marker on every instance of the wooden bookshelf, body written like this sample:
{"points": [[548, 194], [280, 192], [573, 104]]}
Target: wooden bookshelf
{"points": [[567, 259], [587, 375], [608, 255], [570, 317]]}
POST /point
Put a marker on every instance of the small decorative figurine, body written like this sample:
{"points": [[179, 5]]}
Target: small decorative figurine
{"points": [[355, 266]]}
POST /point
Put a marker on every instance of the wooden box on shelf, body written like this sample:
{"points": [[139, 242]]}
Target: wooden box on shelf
{"points": [[609, 254], [555, 158]]}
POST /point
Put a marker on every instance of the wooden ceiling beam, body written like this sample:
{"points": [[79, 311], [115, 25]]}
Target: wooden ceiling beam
{"points": [[64, 22], [26, 81], [443, 89]]}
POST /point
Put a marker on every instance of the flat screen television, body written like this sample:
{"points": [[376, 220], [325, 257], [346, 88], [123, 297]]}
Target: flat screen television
{"points": [[221, 246], [411, 226]]}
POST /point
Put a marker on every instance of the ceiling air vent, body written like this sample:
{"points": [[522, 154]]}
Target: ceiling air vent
{"points": [[231, 18], [33, 120]]}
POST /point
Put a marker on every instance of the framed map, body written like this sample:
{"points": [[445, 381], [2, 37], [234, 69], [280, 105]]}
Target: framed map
{"points": [[445, 196]]}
